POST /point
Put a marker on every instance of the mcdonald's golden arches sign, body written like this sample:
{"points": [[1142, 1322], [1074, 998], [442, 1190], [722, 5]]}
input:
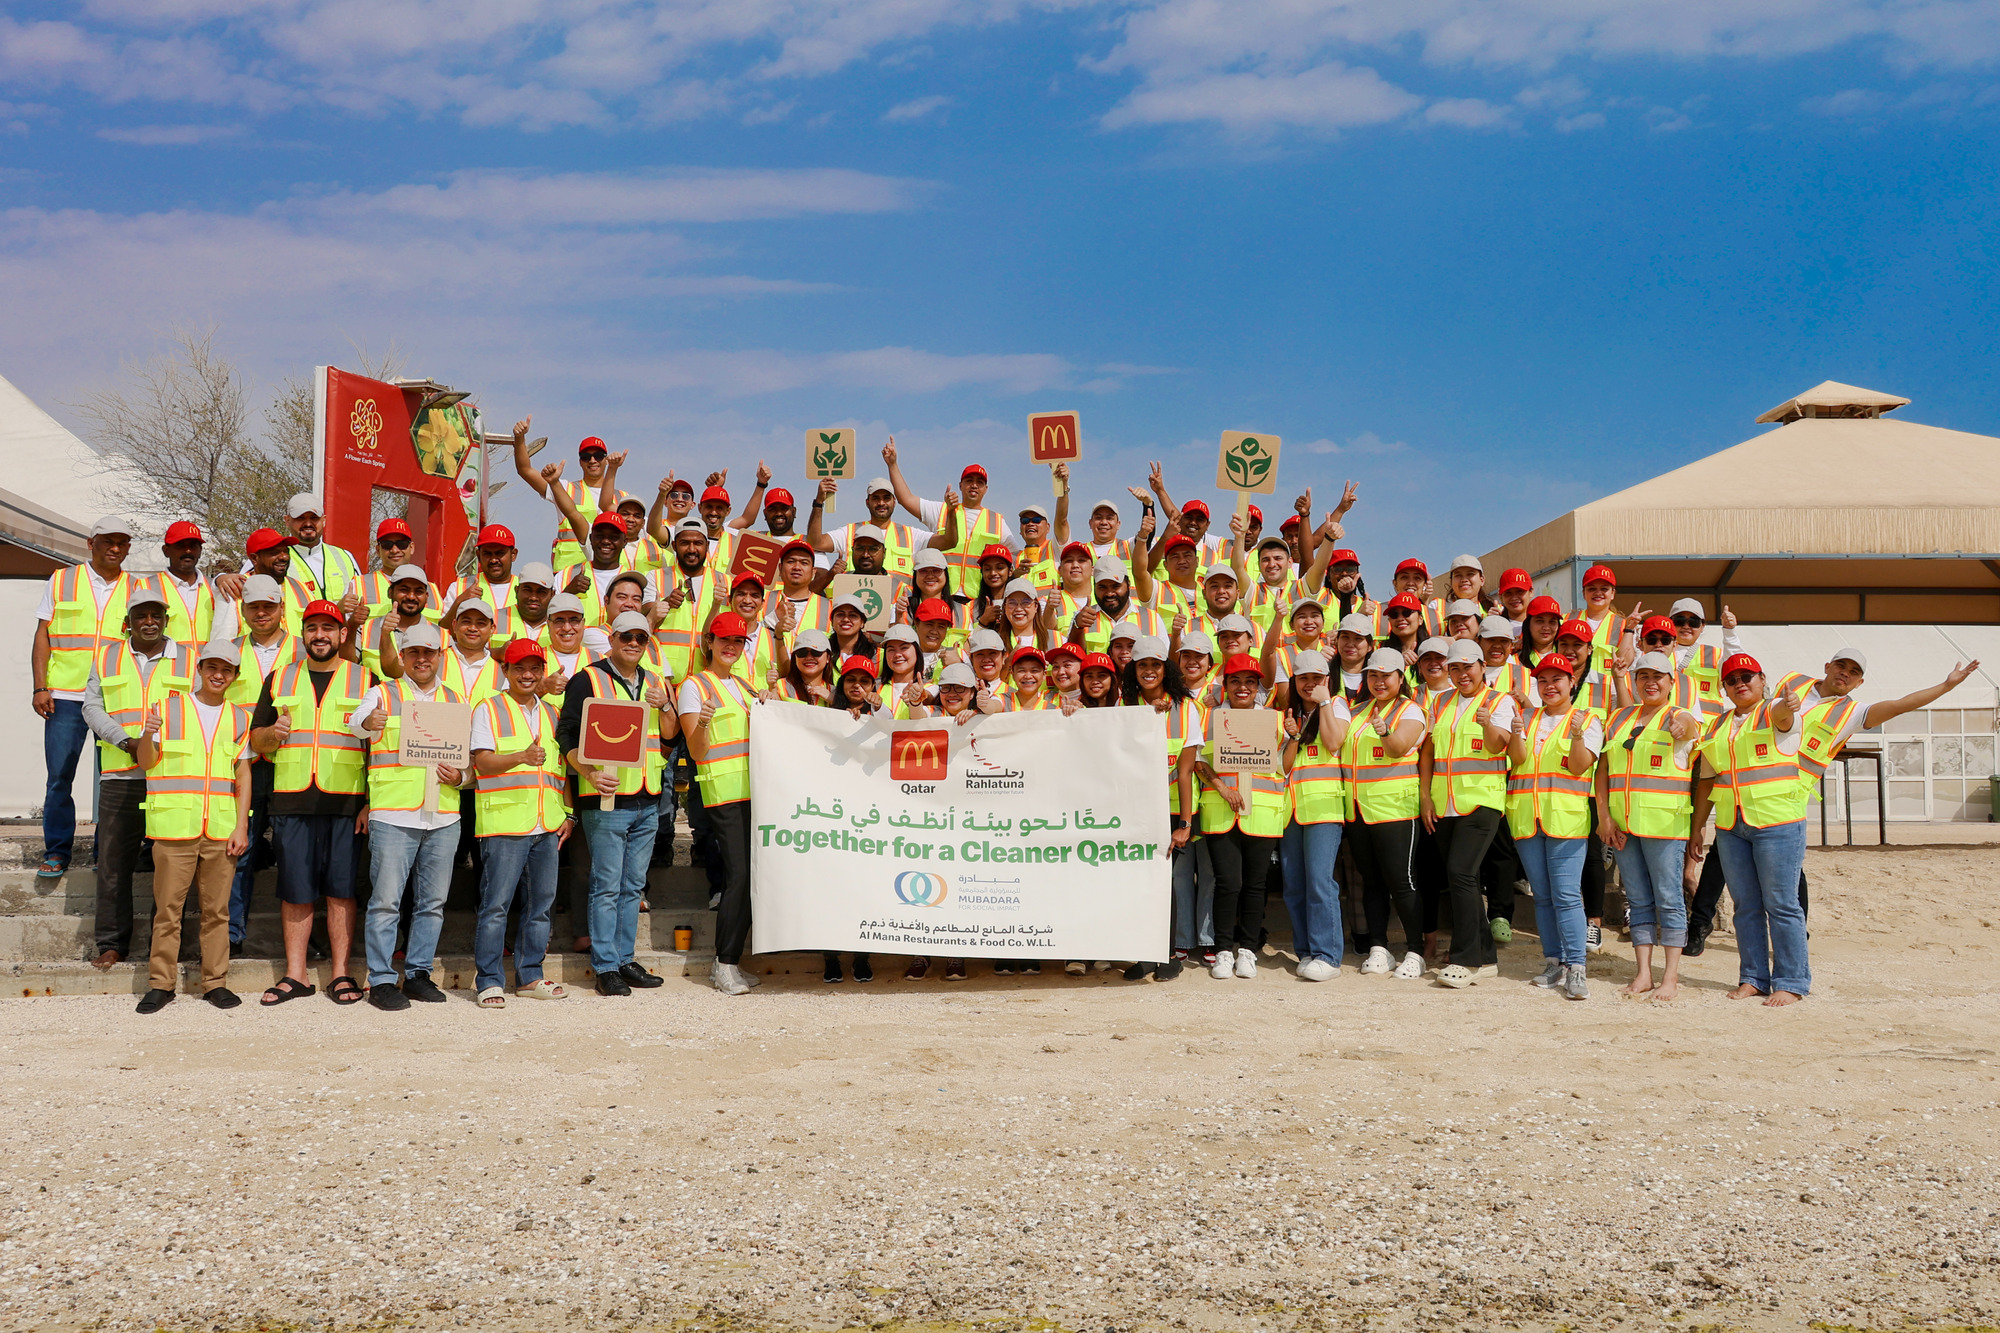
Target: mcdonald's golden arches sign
{"points": [[1055, 437]]}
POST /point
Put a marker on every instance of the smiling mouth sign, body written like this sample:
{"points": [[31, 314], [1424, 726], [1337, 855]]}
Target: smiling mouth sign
{"points": [[609, 739]]}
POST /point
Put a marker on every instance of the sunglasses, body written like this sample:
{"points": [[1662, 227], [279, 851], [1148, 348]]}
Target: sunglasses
{"points": [[593, 456], [1686, 621], [1658, 638], [634, 636], [1400, 612]]}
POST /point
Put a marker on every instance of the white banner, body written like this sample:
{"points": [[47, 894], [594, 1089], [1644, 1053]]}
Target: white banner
{"points": [[1020, 833]]}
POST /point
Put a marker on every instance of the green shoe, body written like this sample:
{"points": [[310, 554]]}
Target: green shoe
{"points": [[1502, 928]]}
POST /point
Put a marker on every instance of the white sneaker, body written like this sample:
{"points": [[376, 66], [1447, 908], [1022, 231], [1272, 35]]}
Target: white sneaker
{"points": [[1101, 965], [1485, 972], [1411, 968], [1317, 969], [1552, 973], [749, 978], [728, 978], [1224, 966], [1076, 967], [1378, 963], [1246, 964]]}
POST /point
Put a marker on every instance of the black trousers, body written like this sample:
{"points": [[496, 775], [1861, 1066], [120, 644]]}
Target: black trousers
{"points": [[731, 824], [1427, 873], [1384, 853], [121, 827], [1464, 839], [1242, 873], [1499, 872], [1593, 871]]}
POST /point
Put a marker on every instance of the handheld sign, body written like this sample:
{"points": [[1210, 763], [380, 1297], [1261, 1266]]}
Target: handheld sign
{"points": [[1247, 464], [1245, 740], [876, 593], [756, 554], [435, 732], [612, 735], [1055, 437], [830, 455]]}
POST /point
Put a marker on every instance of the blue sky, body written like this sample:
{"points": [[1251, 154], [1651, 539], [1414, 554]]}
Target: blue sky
{"points": [[1490, 260]]}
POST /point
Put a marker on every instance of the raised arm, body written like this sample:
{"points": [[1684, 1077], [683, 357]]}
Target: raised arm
{"points": [[755, 504], [1888, 709], [816, 524], [559, 493], [656, 517], [1059, 529], [905, 497], [607, 494], [524, 464]]}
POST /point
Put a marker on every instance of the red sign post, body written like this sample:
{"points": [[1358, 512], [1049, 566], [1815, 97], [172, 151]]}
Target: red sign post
{"points": [[378, 436]]}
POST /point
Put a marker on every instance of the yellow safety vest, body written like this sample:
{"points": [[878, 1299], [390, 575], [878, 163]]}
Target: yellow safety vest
{"points": [[489, 680], [584, 495], [1038, 566], [1097, 639], [679, 634], [724, 773], [962, 560], [1698, 685], [1385, 788], [1265, 601], [1752, 776], [593, 603], [642, 554], [512, 803], [393, 785], [1649, 790], [1319, 787], [1465, 775], [504, 612], [1187, 722], [342, 571], [899, 545], [760, 655], [632, 780], [320, 751], [191, 791], [817, 614], [188, 623], [79, 627], [248, 686], [1542, 796], [1269, 810], [375, 594], [128, 694], [1820, 743]]}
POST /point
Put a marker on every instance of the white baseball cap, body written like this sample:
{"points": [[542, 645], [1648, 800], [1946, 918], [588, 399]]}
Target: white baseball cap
{"points": [[566, 601], [1688, 606], [1310, 663], [1356, 623], [1659, 662], [899, 634], [1036, 510], [262, 588], [1384, 659], [1496, 627], [813, 641], [1019, 588], [219, 650], [305, 502], [1112, 505], [1466, 562], [423, 634], [984, 641], [145, 595], [879, 484], [1218, 571], [111, 525], [479, 604], [930, 558], [848, 599], [1463, 651], [1125, 629], [534, 573], [958, 673], [411, 574], [1109, 568], [627, 620], [691, 524], [1462, 607], [1853, 655], [1440, 646], [1234, 624], [1149, 648], [1194, 641]]}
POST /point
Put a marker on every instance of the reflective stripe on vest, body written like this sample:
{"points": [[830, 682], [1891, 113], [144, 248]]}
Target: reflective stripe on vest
{"points": [[1318, 785], [189, 625], [1385, 787], [191, 791], [513, 802], [962, 560], [1268, 811], [1464, 775], [647, 776], [320, 752], [1753, 777], [128, 693], [393, 785], [78, 627], [1543, 796], [724, 772], [1648, 788], [1820, 743]]}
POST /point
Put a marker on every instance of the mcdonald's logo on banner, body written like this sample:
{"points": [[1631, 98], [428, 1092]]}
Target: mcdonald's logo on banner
{"points": [[1055, 437], [919, 756]]}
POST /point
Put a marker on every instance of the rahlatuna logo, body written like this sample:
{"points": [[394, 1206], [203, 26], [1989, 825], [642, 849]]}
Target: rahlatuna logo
{"points": [[982, 774], [919, 888]]}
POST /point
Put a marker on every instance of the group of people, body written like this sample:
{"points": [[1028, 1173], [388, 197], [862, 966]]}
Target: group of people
{"points": [[1439, 745]]}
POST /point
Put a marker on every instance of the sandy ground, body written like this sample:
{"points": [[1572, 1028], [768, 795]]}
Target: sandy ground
{"points": [[1100, 1155]]}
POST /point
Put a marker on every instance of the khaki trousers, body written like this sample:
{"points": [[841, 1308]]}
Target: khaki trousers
{"points": [[176, 865]]}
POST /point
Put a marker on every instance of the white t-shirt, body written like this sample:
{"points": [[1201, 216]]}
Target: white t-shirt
{"points": [[211, 718], [267, 653], [931, 514], [1593, 732], [46, 610], [839, 536], [356, 723], [482, 738], [1454, 710]]}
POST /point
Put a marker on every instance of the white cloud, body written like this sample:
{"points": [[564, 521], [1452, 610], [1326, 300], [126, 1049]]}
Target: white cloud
{"points": [[1587, 120], [1848, 102], [921, 108], [1469, 113], [644, 198], [1329, 97], [157, 136]]}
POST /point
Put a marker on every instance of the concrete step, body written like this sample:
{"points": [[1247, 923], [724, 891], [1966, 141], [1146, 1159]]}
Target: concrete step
{"points": [[248, 977], [22, 849]]}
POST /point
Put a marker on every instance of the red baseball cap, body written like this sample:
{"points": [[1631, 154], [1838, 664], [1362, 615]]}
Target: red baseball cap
{"points": [[520, 650], [795, 544], [778, 495], [1545, 606], [1555, 662], [973, 470], [1100, 660], [1178, 540], [1656, 625], [1067, 650], [1196, 507], [1511, 579], [1075, 546], [859, 665], [729, 625], [747, 576], [1416, 564], [933, 608], [1600, 574], [713, 493], [1343, 556], [495, 535], [610, 518], [1028, 650], [1740, 662], [1242, 662], [681, 484], [1575, 628], [1406, 601], [322, 608], [1289, 524], [996, 552], [395, 526], [1256, 514], [263, 539], [588, 443], [183, 531]]}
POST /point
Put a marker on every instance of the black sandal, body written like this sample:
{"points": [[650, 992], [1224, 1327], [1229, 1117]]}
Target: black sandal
{"points": [[342, 990], [287, 989]]}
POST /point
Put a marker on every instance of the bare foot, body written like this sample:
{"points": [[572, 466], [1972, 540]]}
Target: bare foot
{"points": [[581, 944], [1745, 992], [1641, 985], [104, 960], [1668, 990], [1780, 998]]}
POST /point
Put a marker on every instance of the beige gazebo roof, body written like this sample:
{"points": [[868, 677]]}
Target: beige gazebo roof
{"points": [[49, 495], [1831, 398]]}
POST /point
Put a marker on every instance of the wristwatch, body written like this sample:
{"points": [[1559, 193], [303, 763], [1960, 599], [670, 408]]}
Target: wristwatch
{"points": [[1177, 822]]}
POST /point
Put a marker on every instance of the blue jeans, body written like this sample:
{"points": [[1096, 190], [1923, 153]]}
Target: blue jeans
{"points": [[63, 736], [621, 850], [1651, 871], [1312, 894], [1555, 871], [522, 865], [392, 853], [1194, 897], [1762, 867]]}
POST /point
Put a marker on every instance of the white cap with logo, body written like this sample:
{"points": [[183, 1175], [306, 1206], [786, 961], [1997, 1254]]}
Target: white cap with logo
{"points": [[305, 502]]}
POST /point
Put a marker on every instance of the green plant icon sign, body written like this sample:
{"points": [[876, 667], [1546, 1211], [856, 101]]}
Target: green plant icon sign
{"points": [[830, 459], [1248, 462], [871, 602]]}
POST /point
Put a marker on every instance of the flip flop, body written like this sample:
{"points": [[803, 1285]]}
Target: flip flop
{"points": [[51, 868], [342, 990], [287, 989]]}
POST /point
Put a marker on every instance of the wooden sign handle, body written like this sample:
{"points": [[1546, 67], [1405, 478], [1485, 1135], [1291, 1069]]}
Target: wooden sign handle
{"points": [[430, 789]]}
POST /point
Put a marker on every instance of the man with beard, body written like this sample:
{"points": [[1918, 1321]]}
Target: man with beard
{"points": [[593, 461], [198, 610], [319, 785], [1093, 624], [979, 527], [395, 547], [492, 583], [900, 542], [409, 595]]}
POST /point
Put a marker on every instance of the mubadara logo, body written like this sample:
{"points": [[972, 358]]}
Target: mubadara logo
{"points": [[919, 888]]}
